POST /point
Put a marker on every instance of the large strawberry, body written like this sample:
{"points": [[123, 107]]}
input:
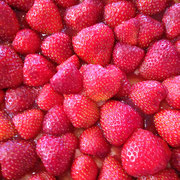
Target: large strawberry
{"points": [[175, 159]]}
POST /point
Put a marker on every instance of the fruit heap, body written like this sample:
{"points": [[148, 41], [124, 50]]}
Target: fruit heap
{"points": [[89, 89]]}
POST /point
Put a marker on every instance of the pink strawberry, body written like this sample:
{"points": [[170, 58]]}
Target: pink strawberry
{"points": [[66, 3], [17, 157], [116, 13], [84, 14], [2, 94], [82, 111], [144, 154], [56, 153], [175, 159], [118, 121], [37, 70], [44, 17], [42, 176], [11, 68], [161, 61], [57, 47], [84, 168], [94, 44]]}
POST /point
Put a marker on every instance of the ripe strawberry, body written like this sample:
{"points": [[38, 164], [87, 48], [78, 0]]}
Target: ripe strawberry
{"points": [[37, 70], [175, 159], [43, 175], [171, 20], [118, 121], [17, 157], [161, 61], [168, 126], [9, 24], [144, 154], [84, 14], [57, 47], [82, 111], [56, 153], [177, 45], [151, 7], [48, 98], [147, 95], [28, 123], [112, 169], [127, 57], [11, 68], [116, 13], [1, 96], [66, 3], [94, 44], [44, 17], [84, 168]]}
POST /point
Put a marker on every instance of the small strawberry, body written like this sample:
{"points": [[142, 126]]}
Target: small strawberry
{"points": [[161, 61], [44, 17], [144, 154], [37, 70], [66, 3], [43, 175], [2, 94], [175, 159], [94, 44], [82, 111], [84, 168]]}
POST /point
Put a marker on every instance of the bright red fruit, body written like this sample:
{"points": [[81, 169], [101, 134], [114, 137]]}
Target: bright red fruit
{"points": [[42, 176], [94, 44], [175, 159], [144, 154], [177, 45], [66, 3], [84, 168], [2, 94]]}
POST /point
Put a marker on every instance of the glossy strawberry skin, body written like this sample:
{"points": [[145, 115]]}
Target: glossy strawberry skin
{"points": [[42, 176], [175, 159]]}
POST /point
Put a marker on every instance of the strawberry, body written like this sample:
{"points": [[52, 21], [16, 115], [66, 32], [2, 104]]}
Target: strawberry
{"points": [[9, 24], [92, 142], [43, 175], [151, 7], [116, 13], [112, 169], [144, 154], [37, 70], [84, 14], [66, 3], [175, 159], [48, 98], [56, 122], [118, 121], [94, 44], [17, 157], [178, 45], [127, 57], [2, 94], [147, 95], [168, 126], [56, 153], [68, 80], [57, 47], [161, 61], [11, 68], [44, 17], [171, 20], [28, 123], [84, 168]]}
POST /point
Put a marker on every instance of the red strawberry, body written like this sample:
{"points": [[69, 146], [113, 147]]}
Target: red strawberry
{"points": [[37, 70], [56, 153], [144, 154], [112, 169], [11, 68], [57, 47], [42, 176], [1, 96], [118, 121], [84, 168], [17, 157], [116, 13], [168, 126], [81, 111], [147, 95], [175, 159], [94, 44], [48, 98], [84, 14], [92, 142], [9, 24], [44, 17], [66, 3], [56, 122], [28, 123], [151, 7], [127, 57], [178, 45], [171, 20], [68, 80], [161, 61]]}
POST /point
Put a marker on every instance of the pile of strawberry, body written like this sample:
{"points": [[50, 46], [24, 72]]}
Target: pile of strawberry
{"points": [[89, 90]]}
